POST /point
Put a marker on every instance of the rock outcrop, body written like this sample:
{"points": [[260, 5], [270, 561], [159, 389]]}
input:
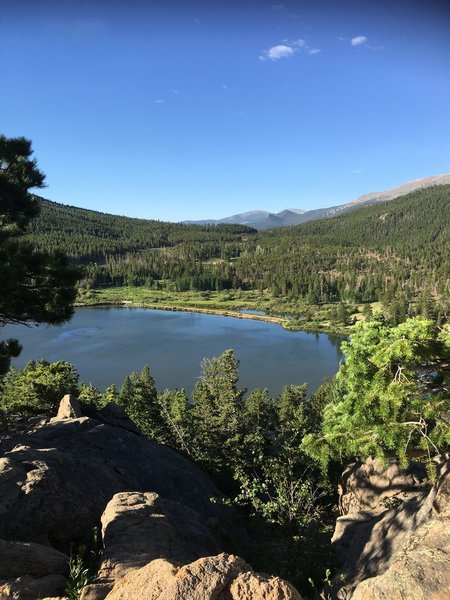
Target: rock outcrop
{"points": [[158, 549], [380, 542], [33, 588], [56, 480], [222, 577], [69, 408], [421, 566], [161, 533], [140, 527], [31, 571], [21, 558]]}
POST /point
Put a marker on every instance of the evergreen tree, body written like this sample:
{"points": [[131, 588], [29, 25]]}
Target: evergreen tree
{"points": [[139, 397], [217, 413], [175, 413], [38, 388], [110, 395], [388, 399], [90, 396], [36, 286]]}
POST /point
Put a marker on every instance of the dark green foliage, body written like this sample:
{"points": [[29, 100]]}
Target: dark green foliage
{"points": [[137, 252], [401, 246], [176, 415], [8, 349], [38, 388], [217, 414], [390, 398], [83, 565], [398, 250], [90, 397], [18, 173], [139, 397], [35, 286]]}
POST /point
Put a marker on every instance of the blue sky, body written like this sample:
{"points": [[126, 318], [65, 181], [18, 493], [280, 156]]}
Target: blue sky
{"points": [[189, 110]]}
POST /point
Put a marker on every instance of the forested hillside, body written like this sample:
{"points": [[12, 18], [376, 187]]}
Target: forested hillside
{"points": [[396, 250], [402, 246], [117, 250]]}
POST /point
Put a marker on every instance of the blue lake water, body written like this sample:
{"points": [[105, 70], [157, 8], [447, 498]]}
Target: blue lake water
{"points": [[106, 344]]}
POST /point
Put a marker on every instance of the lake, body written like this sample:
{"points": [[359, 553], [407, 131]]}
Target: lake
{"points": [[106, 344]]}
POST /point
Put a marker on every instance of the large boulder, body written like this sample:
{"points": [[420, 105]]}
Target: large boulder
{"points": [[373, 540], [222, 577], [56, 480], [420, 568], [22, 558], [159, 549], [69, 408], [33, 588], [139, 527], [149, 582], [114, 414], [29, 570], [372, 487]]}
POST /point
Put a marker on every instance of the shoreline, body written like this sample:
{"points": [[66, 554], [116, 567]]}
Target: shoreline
{"points": [[283, 322], [206, 311]]}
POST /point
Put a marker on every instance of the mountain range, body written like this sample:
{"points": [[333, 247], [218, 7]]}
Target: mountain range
{"points": [[261, 219]]}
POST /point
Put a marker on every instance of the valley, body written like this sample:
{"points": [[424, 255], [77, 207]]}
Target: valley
{"points": [[273, 434], [225, 300], [325, 275]]}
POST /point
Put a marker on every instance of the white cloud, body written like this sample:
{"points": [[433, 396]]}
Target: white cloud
{"points": [[278, 6], [277, 52], [359, 40], [159, 101], [287, 49]]}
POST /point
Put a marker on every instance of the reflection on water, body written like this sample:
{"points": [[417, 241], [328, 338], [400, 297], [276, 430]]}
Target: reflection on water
{"points": [[80, 333], [336, 341], [106, 344]]}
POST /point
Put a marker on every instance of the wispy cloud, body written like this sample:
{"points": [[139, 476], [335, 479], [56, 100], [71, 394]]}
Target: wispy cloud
{"points": [[359, 40], [159, 101], [278, 6], [277, 52], [287, 49]]}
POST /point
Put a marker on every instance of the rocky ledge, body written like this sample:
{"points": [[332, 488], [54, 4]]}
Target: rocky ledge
{"points": [[163, 538], [394, 533]]}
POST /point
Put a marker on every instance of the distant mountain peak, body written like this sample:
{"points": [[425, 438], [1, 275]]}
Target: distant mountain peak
{"points": [[297, 211], [262, 219]]}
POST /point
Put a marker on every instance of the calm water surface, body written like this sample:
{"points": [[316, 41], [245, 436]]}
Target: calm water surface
{"points": [[106, 344]]}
